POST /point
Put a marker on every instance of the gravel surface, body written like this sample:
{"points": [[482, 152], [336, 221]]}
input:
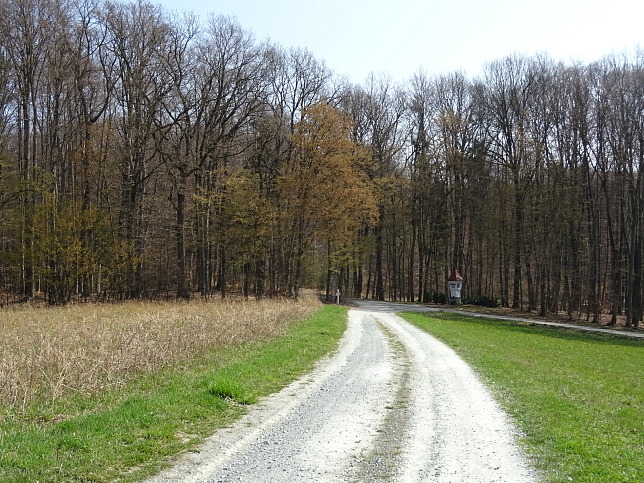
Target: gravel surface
{"points": [[392, 404]]}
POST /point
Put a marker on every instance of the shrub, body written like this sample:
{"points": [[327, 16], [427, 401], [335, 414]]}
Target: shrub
{"points": [[439, 298], [482, 300]]}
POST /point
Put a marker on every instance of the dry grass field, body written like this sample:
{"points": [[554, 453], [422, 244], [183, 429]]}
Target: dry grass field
{"points": [[50, 353]]}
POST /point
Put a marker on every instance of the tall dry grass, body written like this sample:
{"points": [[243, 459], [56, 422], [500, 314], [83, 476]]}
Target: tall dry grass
{"points": [[48, 353]]}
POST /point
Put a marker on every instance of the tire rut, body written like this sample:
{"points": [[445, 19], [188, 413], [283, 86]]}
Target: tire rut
{"points": [[382, 461]]}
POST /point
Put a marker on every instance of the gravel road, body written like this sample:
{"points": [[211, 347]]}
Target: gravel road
{"points": [[392, 404]]}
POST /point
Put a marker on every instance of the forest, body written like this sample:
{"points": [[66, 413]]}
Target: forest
{"points": [[147, 153]]}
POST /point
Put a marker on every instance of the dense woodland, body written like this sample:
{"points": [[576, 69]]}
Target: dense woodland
{"points": [[146, 153]]}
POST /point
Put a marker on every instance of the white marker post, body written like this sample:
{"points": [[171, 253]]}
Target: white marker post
{"points": [[337, 296]]}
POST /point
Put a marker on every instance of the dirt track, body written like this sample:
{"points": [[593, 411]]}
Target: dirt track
{"points": [[393, 404]]}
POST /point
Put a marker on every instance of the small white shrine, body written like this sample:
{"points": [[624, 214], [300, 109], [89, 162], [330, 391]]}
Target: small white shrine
{"points": [[454, 285]]}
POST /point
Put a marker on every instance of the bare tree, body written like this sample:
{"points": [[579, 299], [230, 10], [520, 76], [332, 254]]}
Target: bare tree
{"points": [[385, 107], [217, 87], [510, 85], [137, 35]]}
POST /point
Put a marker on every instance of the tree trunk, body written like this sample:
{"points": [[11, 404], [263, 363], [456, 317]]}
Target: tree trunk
{"points": [[517, 247], [379, 283], [182, 286]]}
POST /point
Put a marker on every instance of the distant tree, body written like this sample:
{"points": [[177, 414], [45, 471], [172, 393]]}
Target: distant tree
{"points": [[297, 80], [177, 130], [325, 192], [137, 36], [384, 105], [625, 136], [244, 223], [511, 84]]}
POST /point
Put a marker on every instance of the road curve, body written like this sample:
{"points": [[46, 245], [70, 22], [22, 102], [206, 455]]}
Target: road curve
{"points": [[378, 306], [392, 404]]}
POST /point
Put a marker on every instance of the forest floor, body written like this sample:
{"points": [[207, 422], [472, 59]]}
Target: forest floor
{"points": [[580, 319]]}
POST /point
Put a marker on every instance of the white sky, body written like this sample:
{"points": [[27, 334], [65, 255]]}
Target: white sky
{"points": [[401, 37]]}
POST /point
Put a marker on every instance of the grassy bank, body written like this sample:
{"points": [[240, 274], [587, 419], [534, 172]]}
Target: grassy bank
{"points": [[579, 399], [124, 428]]}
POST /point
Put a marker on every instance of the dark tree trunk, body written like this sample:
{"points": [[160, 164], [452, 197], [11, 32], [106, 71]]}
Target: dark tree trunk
{"points": [[182, 286]]}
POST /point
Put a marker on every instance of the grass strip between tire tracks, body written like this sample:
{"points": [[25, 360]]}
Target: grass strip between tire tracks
{"points": [[577, 398], [129, 434]]}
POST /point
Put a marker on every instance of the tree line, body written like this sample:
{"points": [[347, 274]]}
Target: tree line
{"points": [[148, 153]]}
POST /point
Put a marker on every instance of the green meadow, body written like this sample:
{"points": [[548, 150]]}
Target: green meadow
{"points": [[578, 399]]}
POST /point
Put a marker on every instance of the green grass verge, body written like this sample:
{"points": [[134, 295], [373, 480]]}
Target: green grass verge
{"points": [[578, 399], [130, 434]]}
